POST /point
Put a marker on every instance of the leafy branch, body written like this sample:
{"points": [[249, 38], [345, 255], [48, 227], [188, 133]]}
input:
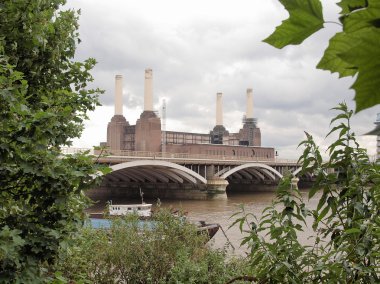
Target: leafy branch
{"points": [[354, 51], [345, 222]]}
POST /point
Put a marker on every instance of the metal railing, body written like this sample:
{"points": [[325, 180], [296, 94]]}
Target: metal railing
{"points": [[71, 150]]}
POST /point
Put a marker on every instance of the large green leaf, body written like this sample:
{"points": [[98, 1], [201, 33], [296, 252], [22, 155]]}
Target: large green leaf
{"points": [[305, 18], [367, 87], [351, 5], [331, 60], [364, 18], [366, 56], [356, 50]]}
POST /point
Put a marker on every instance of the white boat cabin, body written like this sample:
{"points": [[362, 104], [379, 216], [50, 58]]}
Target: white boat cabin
{"points": [[142, 210]]}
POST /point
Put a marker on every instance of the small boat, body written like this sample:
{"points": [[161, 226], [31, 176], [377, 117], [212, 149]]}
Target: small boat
{"points": [[209, 229], [202, 227], [143, 210]]}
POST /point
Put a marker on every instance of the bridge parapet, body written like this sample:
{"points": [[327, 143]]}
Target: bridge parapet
{"points": [[118, 156]]}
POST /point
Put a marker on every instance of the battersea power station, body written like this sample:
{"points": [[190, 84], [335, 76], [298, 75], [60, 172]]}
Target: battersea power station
{"points": [[175, 164], [147, 134]]}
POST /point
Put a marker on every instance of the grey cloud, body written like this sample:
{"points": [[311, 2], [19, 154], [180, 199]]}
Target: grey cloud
{"points": [[196, 59]]}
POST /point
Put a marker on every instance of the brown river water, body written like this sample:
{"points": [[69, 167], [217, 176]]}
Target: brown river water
{"points": [[220, 211]]}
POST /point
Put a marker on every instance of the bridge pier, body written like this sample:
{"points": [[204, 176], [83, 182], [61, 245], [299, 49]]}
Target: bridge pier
{"points": [[294, 182], [216, 188]]}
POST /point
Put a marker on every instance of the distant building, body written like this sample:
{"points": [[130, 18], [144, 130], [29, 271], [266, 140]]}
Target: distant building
{"points": [[376, 131], [147, 134]]}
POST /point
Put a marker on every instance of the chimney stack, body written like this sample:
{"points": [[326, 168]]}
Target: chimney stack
{"points": [[219, 109], [249, 113], [148, 90], [118, 95]]}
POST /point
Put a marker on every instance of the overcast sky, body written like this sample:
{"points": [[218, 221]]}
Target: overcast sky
{"points": [[198, 48]]}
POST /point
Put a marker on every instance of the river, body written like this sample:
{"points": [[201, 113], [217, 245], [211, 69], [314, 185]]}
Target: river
{"points": [[220, 211]]}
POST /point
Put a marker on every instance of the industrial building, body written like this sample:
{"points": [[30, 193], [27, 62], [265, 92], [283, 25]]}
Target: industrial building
{"points": [[376, 132], [148, 134]]}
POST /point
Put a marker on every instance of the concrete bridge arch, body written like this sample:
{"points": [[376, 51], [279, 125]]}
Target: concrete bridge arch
{"points": [[155, 171], [265, 170], [166, 179]]}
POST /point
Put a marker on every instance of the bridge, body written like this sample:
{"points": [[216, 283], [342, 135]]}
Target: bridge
{"points": [[187, 176]]}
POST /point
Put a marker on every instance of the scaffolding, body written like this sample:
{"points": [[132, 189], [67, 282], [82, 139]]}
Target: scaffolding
{"points": [[249, 124], [163, 148]]}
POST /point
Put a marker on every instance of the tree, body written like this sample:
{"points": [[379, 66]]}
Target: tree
{"points": [[355, 51], [44, 99]]}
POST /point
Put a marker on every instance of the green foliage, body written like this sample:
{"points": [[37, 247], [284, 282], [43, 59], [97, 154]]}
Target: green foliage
{"points": [[43, 102], [276, 255], [346, 240], [353, 51], [171, 251], [305, 18], [347, 213]]}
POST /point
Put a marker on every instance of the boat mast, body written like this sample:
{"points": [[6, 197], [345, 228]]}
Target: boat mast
{"points": [[142, 196]]}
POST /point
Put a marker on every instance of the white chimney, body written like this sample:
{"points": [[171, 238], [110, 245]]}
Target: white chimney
{"points": [[249, 113], [118, 95], [219, 109], [148, 90]]}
